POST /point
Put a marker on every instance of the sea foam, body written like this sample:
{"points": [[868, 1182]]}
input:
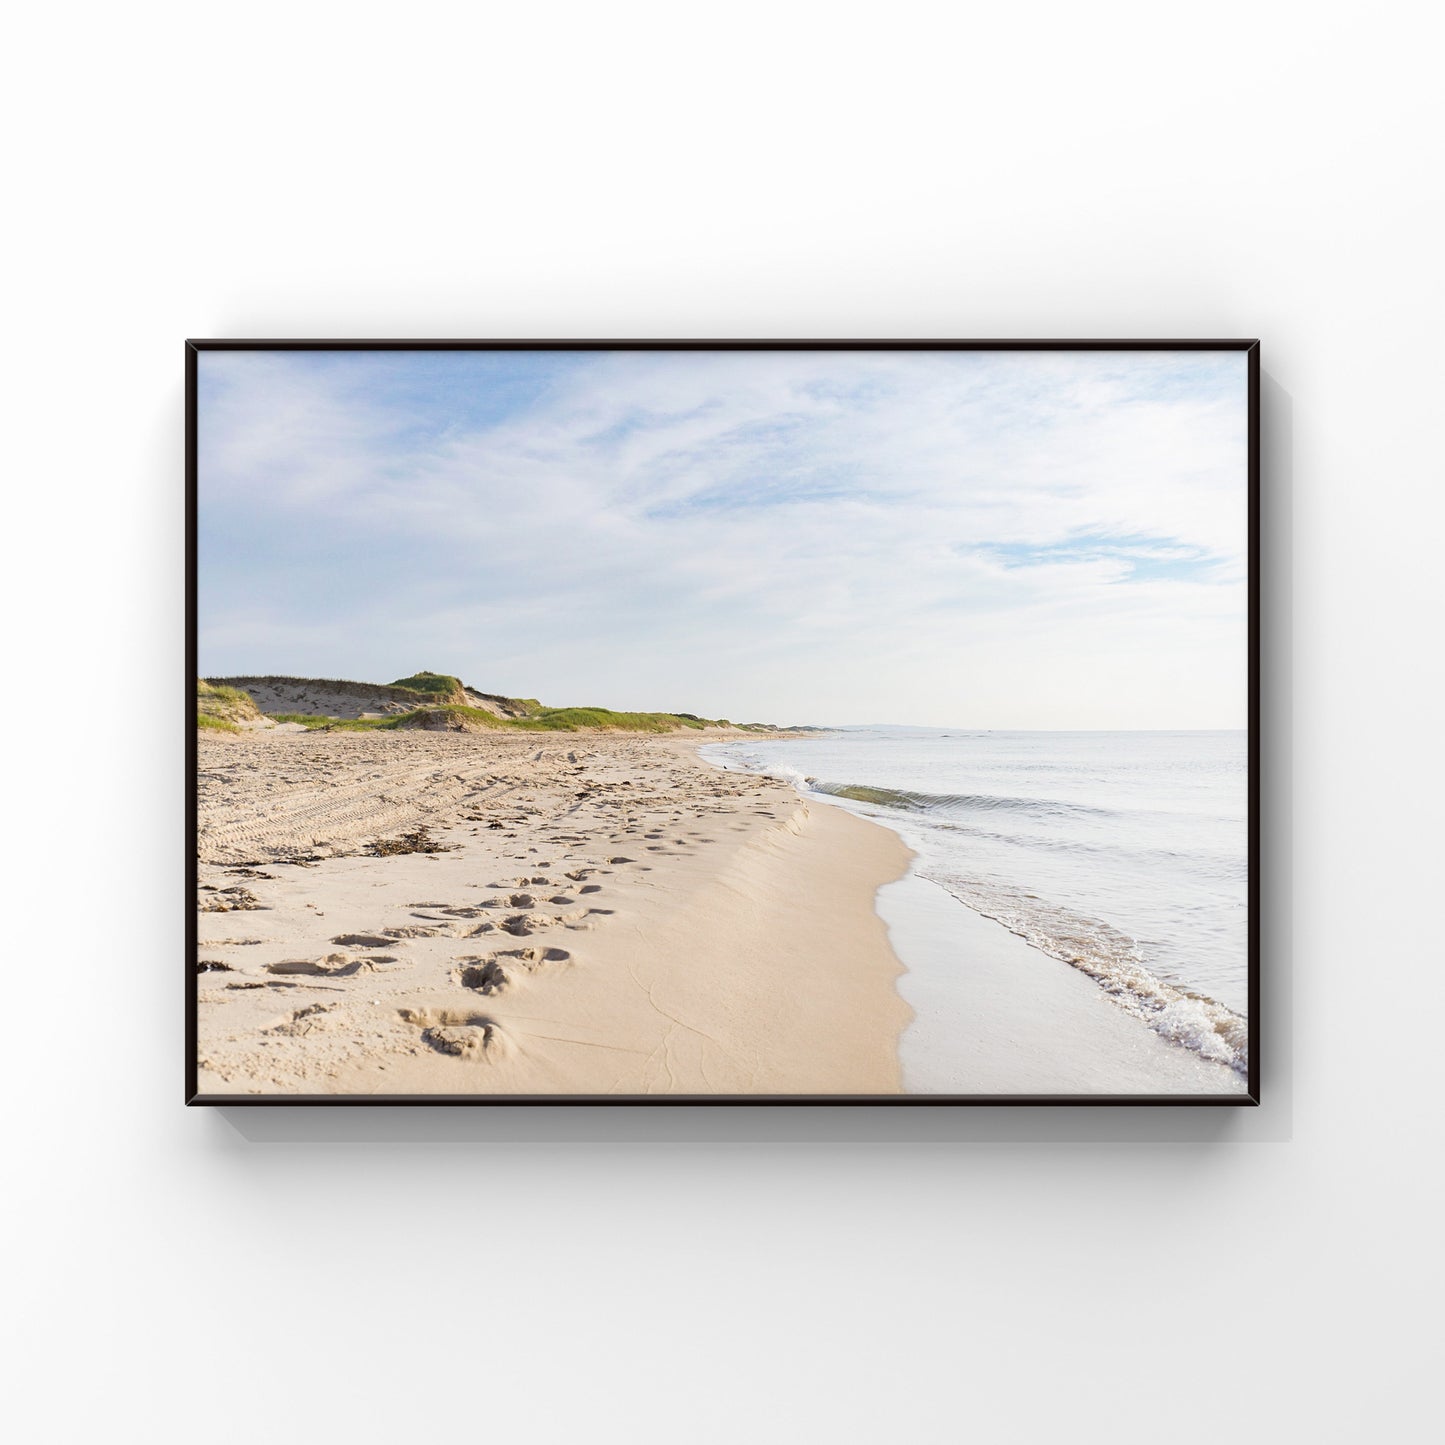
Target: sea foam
{"points": [[1122, 855]]}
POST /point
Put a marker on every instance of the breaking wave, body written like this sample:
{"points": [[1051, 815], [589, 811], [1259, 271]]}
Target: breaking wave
{"points": [[1040, 866], [1114, 961], [911, 802], [1106, 954]]}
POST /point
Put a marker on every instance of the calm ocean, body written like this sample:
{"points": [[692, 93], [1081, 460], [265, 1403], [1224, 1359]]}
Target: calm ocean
{"points": [[1120, 854]]}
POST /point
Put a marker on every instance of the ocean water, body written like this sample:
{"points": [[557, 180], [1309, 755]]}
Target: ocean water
{"points": [[1123, 855]]}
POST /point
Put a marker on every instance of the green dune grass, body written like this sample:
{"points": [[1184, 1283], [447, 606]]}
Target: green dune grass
{"points": [[221, 708], [570, 719], [549, 719], [431, 683], [440, 701]]}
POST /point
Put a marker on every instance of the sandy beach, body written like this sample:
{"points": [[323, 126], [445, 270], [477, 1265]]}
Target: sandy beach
{"points": [[427, 913]]}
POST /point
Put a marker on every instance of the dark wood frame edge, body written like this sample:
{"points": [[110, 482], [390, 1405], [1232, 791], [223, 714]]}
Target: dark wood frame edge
{"points": [[1250, 1098]]}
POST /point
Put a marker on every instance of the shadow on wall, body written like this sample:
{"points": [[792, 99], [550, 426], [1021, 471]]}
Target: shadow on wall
{"points": [[1272, 1122], [741, 1124]]}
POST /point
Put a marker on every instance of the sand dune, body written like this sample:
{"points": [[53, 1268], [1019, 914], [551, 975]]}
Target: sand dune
{"points": [[327, 697], [428, 913]]}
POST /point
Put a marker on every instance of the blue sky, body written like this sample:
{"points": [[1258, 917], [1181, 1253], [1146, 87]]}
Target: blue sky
{"points": [[985, 539]]}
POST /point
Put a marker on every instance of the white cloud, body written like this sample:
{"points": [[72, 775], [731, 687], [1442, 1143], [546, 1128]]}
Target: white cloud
{"points": [[868, 536]]}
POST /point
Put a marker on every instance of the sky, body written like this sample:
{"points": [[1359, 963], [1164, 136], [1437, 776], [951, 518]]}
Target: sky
{"points": [[972, 539]]}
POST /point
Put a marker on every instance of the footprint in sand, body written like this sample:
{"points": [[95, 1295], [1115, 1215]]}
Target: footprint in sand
{"points": [[502, 969], [229, 900], [522, 924], [304, 1021], [484, 975], [334, 965], [583, 918], [364, 940], [472, 1037]]}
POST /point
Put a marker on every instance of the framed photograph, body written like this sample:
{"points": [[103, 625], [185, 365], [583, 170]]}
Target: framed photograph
{"points": [[722, 722]]}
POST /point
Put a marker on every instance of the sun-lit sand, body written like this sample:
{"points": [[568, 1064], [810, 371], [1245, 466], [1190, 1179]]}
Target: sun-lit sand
{"points": [[608, 915]]}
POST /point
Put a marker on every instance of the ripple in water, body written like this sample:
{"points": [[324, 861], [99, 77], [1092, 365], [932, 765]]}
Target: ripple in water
{"points": [[1120, 854]]}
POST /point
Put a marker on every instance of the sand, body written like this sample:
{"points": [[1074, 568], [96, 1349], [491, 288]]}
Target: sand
{"points": [[610, 915]]}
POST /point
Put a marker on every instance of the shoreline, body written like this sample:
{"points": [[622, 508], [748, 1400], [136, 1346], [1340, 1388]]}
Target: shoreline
{"points": [[608, 914], [992, 1014]]}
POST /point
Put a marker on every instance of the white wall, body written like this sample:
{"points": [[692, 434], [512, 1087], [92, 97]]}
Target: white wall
{"points": [[1048, 169]]}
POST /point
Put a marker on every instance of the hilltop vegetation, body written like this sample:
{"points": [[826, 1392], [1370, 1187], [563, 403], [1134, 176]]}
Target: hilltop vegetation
{"points": [[432, 701], [221, 708], [335, 697], [434, 686], [454, 718]]}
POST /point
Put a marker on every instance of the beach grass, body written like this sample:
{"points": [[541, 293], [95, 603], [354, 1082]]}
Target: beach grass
{"points": [[431, 683], [574, 719], [420, 689], [435, 701], [548, 719], [318, 723], [311, 719], [221, 708]]}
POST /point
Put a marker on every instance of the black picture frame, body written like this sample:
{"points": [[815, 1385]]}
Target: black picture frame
{"points": [[1250, 1098]]}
